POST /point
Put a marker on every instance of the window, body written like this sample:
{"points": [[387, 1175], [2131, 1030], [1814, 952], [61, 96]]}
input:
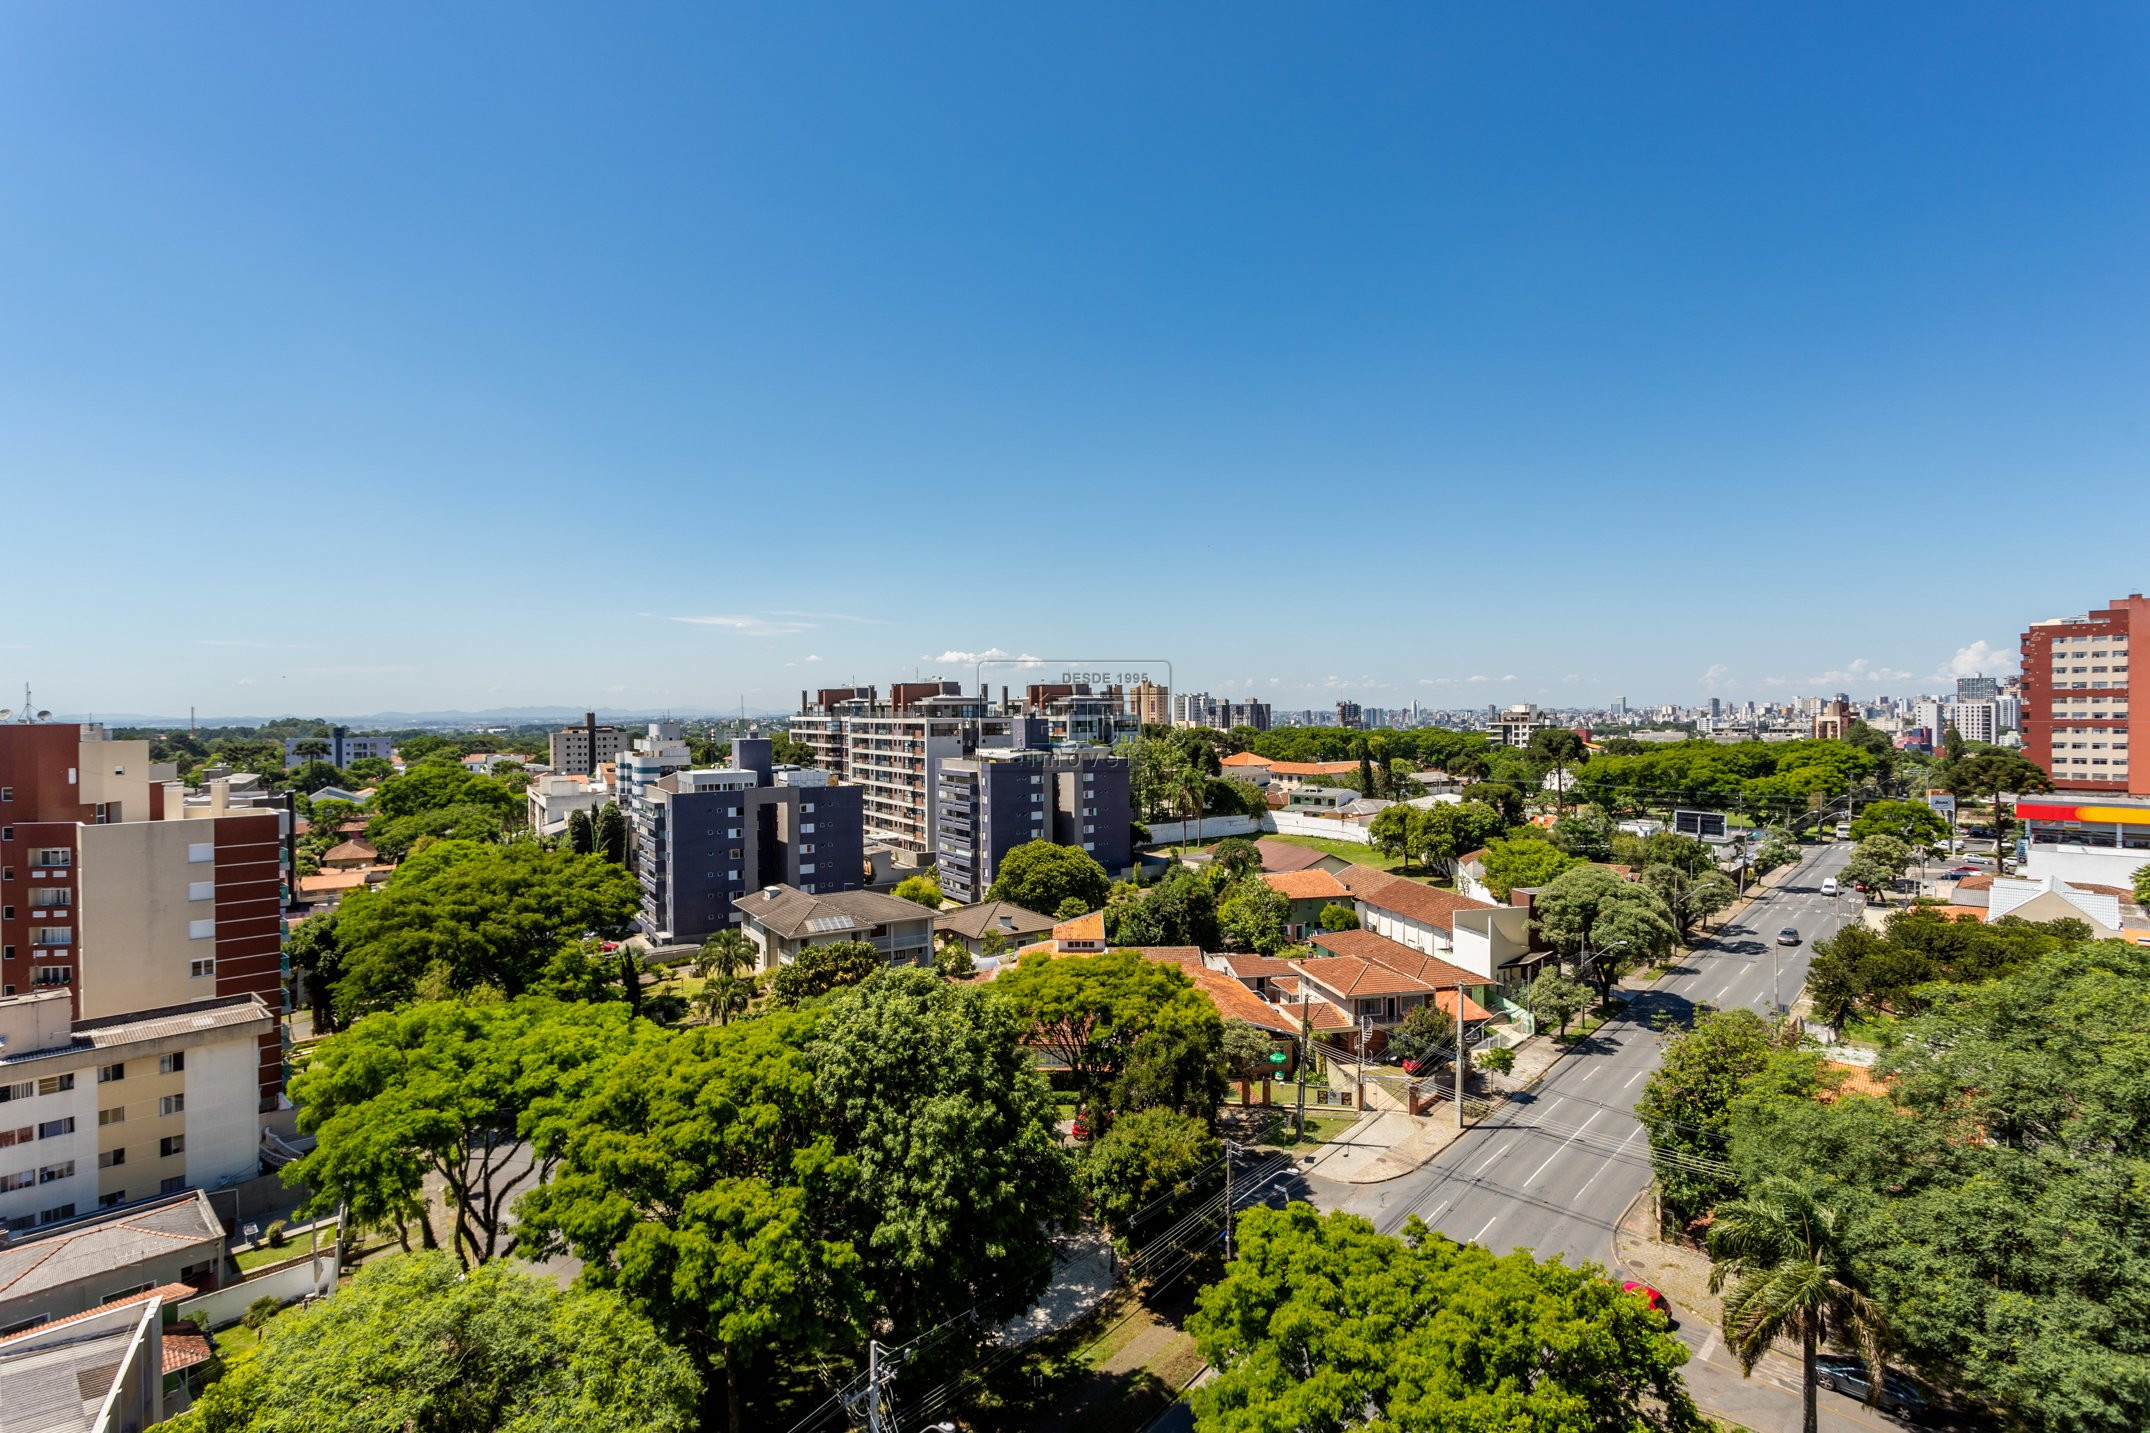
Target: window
{"points": [[54, 1129], [170, 1145], [112, 1158], [56, 1213], [7, 793], [171, 1184], [201, 929], [196, 969], [56, 1084], [52, 856], [46, 896], [172, 1105], [107, 1201], [51, 935], [54, 1173], [173, 1063], [106, 1074], [7, 833], [12, 1182], [11, 1137], [117, 1115], [52, 975]]}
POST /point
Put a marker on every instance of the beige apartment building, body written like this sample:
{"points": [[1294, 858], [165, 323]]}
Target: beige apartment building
{"points": [[97, 1113]]}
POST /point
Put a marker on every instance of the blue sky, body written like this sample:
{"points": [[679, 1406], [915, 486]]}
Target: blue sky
{"points": [[425, 357]]}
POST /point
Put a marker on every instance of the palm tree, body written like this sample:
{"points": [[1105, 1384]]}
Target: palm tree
{"points": [[1189, 788], [1782, 1251], [726, 992]]}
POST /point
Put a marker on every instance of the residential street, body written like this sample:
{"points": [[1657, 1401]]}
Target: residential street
{"points": [[1554, 1170]]}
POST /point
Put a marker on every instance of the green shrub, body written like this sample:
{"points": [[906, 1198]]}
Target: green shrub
{"points": [[1500, 1059], [260, 1312], [277, 1236]]}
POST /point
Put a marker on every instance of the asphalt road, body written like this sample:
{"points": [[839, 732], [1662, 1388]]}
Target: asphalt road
{"points": [[1553, 1169]]}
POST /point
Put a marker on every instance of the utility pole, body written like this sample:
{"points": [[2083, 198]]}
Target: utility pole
{"points": [[1462, 1057], [1306, 1055], [1228, 1147]]}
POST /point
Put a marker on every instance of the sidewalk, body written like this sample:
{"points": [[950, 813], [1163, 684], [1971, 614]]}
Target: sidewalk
{"points": [[1385, 1144]]}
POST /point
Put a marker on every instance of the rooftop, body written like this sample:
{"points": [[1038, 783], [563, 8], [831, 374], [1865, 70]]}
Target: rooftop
{"points": [[1380, 950], [1307, 885], [795, 914], [89, 1248], [973, 922], [1410, 899]]}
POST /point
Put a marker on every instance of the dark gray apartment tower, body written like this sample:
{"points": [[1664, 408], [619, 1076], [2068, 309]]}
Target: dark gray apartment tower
{"points": [[705, 838], [989, 803]]}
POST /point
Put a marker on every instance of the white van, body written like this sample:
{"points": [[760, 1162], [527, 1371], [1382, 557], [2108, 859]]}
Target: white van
{"points": [[1829, 886], [1843, 830]]}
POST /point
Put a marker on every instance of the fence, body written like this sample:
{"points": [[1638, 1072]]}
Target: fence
{"points": [[1209, 828], [1298, 823], [303, 1276]]}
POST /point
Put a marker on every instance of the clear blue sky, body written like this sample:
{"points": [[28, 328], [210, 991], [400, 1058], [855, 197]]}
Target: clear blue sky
{"points": [[444, 356]]}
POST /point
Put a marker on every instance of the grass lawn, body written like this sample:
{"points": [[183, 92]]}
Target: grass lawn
{"points": [[236, 1343], [1359, 855], [249, 1260], [1866, 1030], [688, 986], [1320, 1129]]}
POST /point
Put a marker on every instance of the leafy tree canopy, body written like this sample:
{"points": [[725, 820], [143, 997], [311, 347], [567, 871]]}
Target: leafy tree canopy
{"points": [[494, 916], [818, 969], [1524, 861], [1131, 1029], [1255, 917], [415, 1342], [1913, 822], [1148, 1163], [924, 889], [1686, 1104], [1323, 1325], [1039, 875]]}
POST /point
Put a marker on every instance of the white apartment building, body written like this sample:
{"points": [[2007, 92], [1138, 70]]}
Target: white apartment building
{"points": [[98, 1113], [552, 799]]}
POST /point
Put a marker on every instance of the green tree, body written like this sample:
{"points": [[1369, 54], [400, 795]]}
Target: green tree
{"points": [[608, 834], [1991, 776], [1586, 835], [1503, 797], [1777, 849], [464, 1093], [1323, 1325], [818, 969], [1390, 831], [417, 1343], [725, 966], [922, 889], [1447, 830], [1146, 1157], [702, 1182], [2142, 885], [1783, 1253], [1071, 909], [580, 835], [1426, 1034], [1336, 917], [315, 952], [1246, 1049], [1690, 896], [1255, 917], [1039, 875], [469, 821], [496, 916], [1238, 857], [1108, 1017], [952, 960], [1525, 861], [1607, 923], [961, 1177], [1912, 822], [1554, 750], [1951, 743], [1687, 1103], [1875, 863], [1553, 999]]}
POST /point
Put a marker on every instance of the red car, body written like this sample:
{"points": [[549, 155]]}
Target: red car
{"points": [[1649, 1296]]}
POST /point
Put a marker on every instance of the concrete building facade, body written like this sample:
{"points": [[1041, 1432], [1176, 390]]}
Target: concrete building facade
{"points": [[987, 804], [129, 891], [98, 1113], [2079, 698], [580, 750], [343, 748], [703, 839]]}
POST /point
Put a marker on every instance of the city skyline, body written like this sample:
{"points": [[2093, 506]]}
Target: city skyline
{"points": [[405, 359]]}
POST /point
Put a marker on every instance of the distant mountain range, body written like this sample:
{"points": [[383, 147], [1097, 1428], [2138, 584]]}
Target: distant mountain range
{"points": [[492, 716]]}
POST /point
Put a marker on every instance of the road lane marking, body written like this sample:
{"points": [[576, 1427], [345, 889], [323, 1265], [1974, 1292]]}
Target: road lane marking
{"points": [[1532, 1177], [1482, 1231], [1631, 1079]]}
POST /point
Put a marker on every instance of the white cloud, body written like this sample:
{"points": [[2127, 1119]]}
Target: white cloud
{"points": [[246, 681], [1859, 673], [748, 626], [1717, 678], [802, 661], [242, 642], [834, 617], [1982, 659]]}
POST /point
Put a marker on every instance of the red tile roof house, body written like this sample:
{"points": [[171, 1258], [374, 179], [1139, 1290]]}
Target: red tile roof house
{"points": [[1374, 996], [1477, 936], [1310, 892]]}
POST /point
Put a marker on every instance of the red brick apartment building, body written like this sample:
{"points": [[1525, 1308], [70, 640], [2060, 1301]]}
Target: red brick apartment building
{"points": [[128, 890], [2080, 696]]}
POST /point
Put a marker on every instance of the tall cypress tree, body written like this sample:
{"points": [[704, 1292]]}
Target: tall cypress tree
{"points": [[581, 836], [609, 833]]}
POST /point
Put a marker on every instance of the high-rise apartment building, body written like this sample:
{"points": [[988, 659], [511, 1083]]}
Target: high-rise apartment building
{"points": [[2079, 698], [1194, 709], [890, 748], [1349, 715], [131, 892], [1249, 713], [704, 838], [987, 804], [1150, 703], [580, 750], [1977, 689], [653, 756], [342, 748], [1512, 726]]}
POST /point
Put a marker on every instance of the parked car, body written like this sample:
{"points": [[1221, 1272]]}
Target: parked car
{"points": [[1788, 936], [1851, 1376], [1957, 873], [1651, 1297]]}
